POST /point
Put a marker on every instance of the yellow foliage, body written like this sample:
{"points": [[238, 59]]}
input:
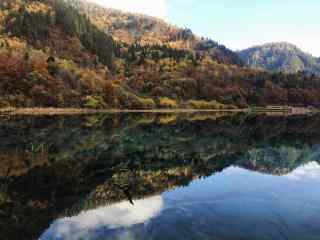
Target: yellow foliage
{"points": [[204, 117], [166, 119], [12, 42], [165, 102], [36, 7]]}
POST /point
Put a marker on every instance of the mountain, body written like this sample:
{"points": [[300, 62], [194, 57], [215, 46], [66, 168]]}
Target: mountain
{"points": [[70, 53], [131, 28], [280, 57]]}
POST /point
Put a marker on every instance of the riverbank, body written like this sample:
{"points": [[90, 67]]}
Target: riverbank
{"points": [[80, 111], [83, 111]]}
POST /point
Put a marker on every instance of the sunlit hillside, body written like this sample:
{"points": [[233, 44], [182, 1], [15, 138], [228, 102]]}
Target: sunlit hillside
{"points": [[74, 54]]}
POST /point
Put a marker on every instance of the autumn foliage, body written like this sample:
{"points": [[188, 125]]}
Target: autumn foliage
{"points": [[52, 54]]}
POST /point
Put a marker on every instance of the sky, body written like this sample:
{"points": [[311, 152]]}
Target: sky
{"points": [[238, 24]]}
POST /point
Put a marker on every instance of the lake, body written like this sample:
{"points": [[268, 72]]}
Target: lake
{"points": [[160, 176]]}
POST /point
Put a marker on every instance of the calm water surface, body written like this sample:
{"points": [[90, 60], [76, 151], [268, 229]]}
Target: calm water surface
{"points": [[159, 176]]}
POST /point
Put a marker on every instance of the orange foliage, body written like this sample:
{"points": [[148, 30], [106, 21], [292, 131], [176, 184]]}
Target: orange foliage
{"points": [[11, 67]]}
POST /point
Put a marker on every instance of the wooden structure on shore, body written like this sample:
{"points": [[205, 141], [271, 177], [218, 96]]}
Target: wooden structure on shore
{"points": [[288, 110], [281, 109]]}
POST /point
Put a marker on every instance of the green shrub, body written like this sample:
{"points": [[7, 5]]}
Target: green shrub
{"points": [[126, 99], [94, 102], [146, 103]]}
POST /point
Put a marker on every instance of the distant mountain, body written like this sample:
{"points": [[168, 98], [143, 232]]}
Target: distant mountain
{"points": [[280, 57]]}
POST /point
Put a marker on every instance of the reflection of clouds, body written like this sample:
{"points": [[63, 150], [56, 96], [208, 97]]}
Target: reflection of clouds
{"points": [[308, 171], [114, 216]]}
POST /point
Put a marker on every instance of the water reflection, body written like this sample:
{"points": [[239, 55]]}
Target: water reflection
{"points": [[102, 221], [216, 176], [307, 172], [235, 204]]}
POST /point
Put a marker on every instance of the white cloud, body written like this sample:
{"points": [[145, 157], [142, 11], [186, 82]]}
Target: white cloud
{"points": [[119, 215], [305, 172], [156, 8]]}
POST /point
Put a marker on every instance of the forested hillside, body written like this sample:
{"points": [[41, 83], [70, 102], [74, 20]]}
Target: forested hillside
{"points": [[280, 57], [72, 54], [134, 28]]}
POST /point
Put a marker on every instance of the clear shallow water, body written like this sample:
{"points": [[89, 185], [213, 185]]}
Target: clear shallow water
{"points": [[161, 177]]}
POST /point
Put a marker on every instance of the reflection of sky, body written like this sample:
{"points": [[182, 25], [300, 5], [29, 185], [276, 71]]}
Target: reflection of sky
{"points": [[120, 215], [227, 205], [309, 171]]}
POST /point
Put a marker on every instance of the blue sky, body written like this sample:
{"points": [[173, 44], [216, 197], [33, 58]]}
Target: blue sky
{"points": [[238, 24]]}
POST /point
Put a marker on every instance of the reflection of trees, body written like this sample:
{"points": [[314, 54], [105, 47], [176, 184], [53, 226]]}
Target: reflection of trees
{"points": [[53, 166]]}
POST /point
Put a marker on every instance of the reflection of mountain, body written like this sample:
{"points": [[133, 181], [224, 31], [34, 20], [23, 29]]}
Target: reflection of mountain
{"points": [[66, 165], [48, 140], [285, 158], [212, 207]]}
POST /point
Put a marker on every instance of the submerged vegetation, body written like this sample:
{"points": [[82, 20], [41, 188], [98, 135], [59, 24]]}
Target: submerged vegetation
{"points": [[69, 54]]}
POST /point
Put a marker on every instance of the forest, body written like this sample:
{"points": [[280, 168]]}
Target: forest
{"points": [[53, 54]]}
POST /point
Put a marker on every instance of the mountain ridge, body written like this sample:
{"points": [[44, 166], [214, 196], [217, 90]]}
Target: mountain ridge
{"points": [[129, 28], [280, 57]]}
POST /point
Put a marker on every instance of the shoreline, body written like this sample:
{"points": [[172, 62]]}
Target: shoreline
{"points": [[83, 111]]}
